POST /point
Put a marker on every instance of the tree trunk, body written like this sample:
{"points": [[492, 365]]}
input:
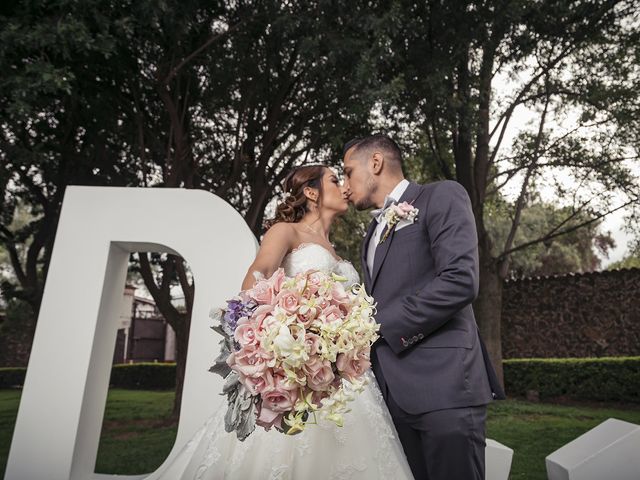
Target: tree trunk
{"points": [[255, 214], [488, 307], [180, 322], [462, 142], [182, 342]]}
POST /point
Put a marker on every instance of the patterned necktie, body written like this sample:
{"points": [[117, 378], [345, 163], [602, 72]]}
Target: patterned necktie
{"points": [[378, 213]]}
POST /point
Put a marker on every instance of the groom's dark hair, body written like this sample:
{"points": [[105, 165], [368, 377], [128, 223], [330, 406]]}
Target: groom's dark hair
{"points": [[378, 141], [351, 143]]}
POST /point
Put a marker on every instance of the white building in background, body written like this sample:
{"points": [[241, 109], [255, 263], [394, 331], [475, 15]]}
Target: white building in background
{"points": [[143, 333]]}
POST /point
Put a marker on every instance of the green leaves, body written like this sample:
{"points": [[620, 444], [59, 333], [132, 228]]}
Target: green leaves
{"points": [[577, 251]]}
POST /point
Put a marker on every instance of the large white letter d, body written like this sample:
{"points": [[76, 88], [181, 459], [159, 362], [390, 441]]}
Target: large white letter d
{"points": [[58, 425]]}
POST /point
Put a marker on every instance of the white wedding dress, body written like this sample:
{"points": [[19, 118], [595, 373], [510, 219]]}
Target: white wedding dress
{"points": [[365, 448]]}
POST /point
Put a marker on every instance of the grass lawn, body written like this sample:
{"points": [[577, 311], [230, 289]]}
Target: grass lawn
{"points": [[136, 435], [534, 430]]}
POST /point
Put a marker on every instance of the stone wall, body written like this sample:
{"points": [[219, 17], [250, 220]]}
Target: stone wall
{"points": [[15, 346], [577, 315], [593, 314], [16, 334]]}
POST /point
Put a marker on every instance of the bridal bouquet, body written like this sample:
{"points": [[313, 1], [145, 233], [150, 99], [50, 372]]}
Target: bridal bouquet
{"points": [[293, 347]]}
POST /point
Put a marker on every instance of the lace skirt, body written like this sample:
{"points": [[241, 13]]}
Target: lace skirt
{"points": [[366, 447]]}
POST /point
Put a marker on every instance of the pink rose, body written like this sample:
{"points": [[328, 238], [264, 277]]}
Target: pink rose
{"points": [[268, 418], [300, 283], [405, 207], [260, 313], [398, 211], [322, 302], [245, 333], [331, 313], [319, 373], [314, 279], [308, 292], [278, 396], [277, 279], [312, 283], [352, 365], [261, 317], [256, 385], [344, 308], [248, 361], [262, 292], [280, 380], [307, 314], [312, 343], [288, 300], [338, 295], [280, 401]]}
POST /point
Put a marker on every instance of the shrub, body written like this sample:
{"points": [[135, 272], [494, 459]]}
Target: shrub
{"points": [[12, 377], [144, 376], [135, 376], [602, 379], [615, 379]]}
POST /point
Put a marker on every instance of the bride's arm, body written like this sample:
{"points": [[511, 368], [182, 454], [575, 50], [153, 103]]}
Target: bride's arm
{"points": [[275, 245]]}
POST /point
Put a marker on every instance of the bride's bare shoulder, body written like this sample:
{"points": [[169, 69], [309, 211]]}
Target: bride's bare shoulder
{"points": [[282, 233], [281, 228]]}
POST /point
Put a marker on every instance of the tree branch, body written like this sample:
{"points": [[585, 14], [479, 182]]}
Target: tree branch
{"points": [[504, 262], [210, 41], [550, 236], [434, 144], [187, 288], [161, 295], [506, 115], [13, 255]]}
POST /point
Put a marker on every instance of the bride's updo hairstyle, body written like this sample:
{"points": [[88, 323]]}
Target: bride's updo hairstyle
{"points": [[295, 203]]}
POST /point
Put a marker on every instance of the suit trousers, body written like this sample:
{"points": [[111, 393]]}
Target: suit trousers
{"points": [[446, 444]]}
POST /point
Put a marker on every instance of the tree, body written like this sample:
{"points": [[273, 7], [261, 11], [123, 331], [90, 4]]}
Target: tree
{"points": [[56, 129], [221, 96], [631, 260], [577, 251], [230, 98], [563, 59]]}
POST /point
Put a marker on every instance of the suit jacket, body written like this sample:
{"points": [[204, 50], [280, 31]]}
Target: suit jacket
{"points": [[424, 279]]}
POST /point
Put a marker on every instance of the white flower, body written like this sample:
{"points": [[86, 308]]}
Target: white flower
{"points": [[290, 348]]}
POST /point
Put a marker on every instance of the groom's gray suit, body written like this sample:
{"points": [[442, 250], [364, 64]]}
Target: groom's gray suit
{"points": [[430, 363]]}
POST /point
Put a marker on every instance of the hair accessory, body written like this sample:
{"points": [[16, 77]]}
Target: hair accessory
{"points": [[285, 196]]}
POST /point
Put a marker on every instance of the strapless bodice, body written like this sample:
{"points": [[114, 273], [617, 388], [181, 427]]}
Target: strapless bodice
{"points": [[314, 256]]}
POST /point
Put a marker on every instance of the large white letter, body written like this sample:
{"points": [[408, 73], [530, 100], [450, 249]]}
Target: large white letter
{"points": [[58, 425]]}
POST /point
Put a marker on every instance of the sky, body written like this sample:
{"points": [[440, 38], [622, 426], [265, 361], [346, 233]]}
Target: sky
{"points": [[523, 117]]}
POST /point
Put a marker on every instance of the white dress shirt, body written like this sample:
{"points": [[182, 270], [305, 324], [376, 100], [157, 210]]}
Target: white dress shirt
{"points": [[396, 193]]}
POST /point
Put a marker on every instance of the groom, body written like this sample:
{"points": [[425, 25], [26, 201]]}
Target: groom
{"points": [[420, 264]]}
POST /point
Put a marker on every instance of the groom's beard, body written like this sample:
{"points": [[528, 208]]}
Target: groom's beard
{"points": [[366, 203]]}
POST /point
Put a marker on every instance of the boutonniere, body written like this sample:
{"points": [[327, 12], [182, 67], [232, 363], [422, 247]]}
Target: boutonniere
{"points": [[394, 213]]}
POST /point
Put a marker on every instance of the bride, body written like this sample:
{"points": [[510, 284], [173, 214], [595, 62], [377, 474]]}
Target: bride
{"points": [[367, 446]]}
